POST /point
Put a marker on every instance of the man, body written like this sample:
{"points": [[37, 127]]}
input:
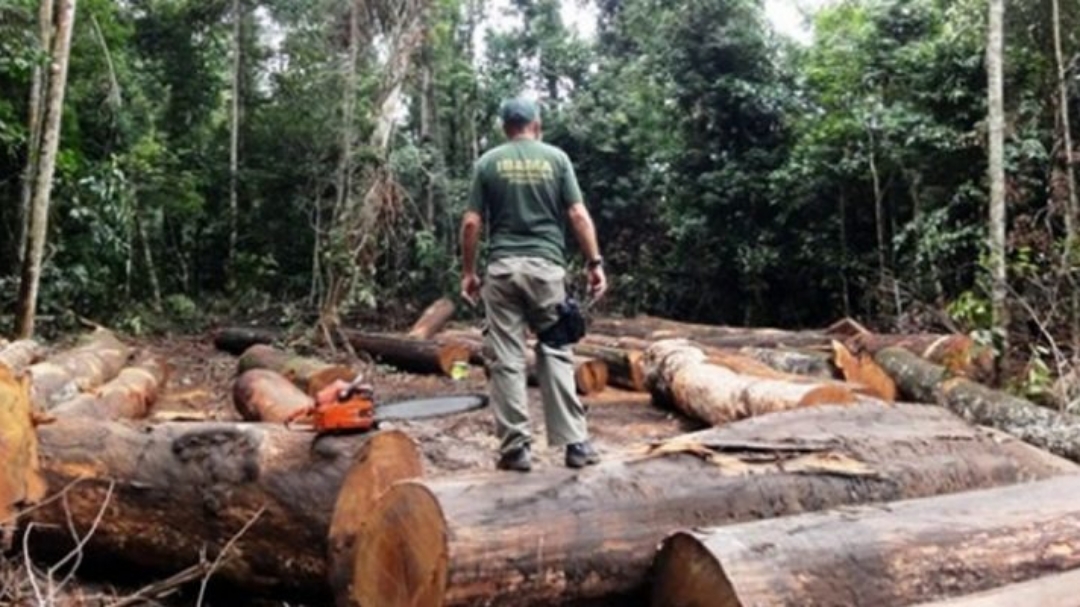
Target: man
{"points": [[527, 193]]}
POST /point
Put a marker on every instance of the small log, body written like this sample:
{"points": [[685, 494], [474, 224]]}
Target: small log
{"points": [[20, 482], [862, 370], [682, 376], [625, 368], [265, 396], [557, 536], [472, 340], [96, 359], [19, 355], [127, 396], [309, 374], [1057, 590], [959, 354], [800, 362], [433, 319], [1054, 431], [412, 355], [904, 553], [179, 490], [236, 340], [616, 397]]}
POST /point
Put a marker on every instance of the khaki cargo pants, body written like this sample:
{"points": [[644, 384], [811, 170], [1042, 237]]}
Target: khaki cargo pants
{"points": [[522, 292]]}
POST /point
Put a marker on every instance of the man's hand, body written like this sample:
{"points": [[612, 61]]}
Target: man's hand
{"points": [[470, 288], [597, 282]]}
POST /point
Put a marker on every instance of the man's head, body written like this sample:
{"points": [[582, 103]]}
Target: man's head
{"points": [[520, 116]]}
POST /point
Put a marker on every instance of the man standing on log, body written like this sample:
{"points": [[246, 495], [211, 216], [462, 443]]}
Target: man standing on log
{"points": [[527, 193]]}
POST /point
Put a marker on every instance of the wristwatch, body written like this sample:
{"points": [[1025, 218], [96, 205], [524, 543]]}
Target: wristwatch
{"points": [[595, 263]]}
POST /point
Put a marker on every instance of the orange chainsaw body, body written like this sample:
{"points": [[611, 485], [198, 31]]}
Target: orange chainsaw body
{"points": [[341, 407]]}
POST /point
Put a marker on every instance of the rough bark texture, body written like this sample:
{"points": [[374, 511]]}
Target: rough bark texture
{"points": [[905, 553], [265, 396], [127, 396], [236, 340], [683, 377], [625, 367], [1054, 431], [309, 374], [98, 358], [20, 482], [557, 535], [799, 362], [412, 355], [179, 489], [19, 355], [1057, 590], [957, 353], [433, 319]]}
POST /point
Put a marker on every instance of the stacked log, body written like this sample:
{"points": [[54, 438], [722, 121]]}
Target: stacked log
{"points": [[19, 355], [260, 395], [236, 340], [20, 483], [625, 367], [169, 492], [127, 396], [97, 358], [1056, 589], [558, 536], [309, 374], [906, 553], [432, 320], [407, 354]]}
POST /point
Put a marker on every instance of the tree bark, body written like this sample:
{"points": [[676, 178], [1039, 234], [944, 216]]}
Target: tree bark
{"points": [[266, 396], [20, 482], [957, 353], [1054, 431], [412, 355], [236, 340], [130, 395], [625, 368], [905, 553], [38, 84], [799, 362], [996, 102], [309, 374], [26, 305], [433, 319], [1053, 589], [19, 355], [179, 489], [234, 141], [1070, 173], [682, 376], [557, 536], [98, 358]]}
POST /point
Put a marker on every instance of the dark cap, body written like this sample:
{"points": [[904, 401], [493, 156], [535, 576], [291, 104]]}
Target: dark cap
{"points": [[519, 111]]}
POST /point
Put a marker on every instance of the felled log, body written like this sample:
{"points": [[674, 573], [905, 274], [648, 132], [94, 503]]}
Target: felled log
{"points": [[557, 536], [861, 369], [309, 374], [127, 396], [1058, 589], [175, 490], [625, 368], [471, 340], [260, 395], [924, 381], [433, 319], [957, 353], [683, 377], [800, 362], [20, 483], [412, 355], [906, 553], [20, 354], [616, 397], [590, 375], [97, 358], [236, 340]]}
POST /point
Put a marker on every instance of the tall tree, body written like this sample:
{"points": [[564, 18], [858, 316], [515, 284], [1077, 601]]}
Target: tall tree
{"points": [[38, 82], [234, 139], [996, 96], [50, 143]]}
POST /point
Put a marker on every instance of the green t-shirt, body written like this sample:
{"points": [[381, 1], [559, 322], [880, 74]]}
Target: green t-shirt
{"points": [[523, 189]]}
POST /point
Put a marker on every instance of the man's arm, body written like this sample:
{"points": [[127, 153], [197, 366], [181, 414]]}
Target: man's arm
{"points": [[585, 232], [471, 224]]}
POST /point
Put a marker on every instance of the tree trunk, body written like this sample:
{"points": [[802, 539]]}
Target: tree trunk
{"points": [[799, 362], [996, 100], [1056, 432], [236, 340], [557, 536], [234, 142], [98, 358], [412, 355], [625, 368], [176, 490], [19, 355], [38, 84], [128, 396], [1055, 589], [682, 376], [863, 371], [958, 353], [265, 396], [901, 554], [433, 319], [26, 306], [20, 483], [1070, 174], [309, 374], [472, 341]]}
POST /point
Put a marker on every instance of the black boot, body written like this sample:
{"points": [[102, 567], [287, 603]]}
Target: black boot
{"points": [[579, 455], [517, 460]]}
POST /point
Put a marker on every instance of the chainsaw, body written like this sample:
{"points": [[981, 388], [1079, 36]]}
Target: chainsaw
{"points": [[350, 407]]}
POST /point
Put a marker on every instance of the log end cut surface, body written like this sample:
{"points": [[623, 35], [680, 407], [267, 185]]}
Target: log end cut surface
{"points": [[688, 575], [402, 557], [450, 354]]}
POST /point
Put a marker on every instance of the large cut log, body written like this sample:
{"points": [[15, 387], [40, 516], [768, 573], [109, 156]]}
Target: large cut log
{"points": [[412, 355], [129, 395], [957, 353], [471, 340], [175, 490], [625, 368], [96, 359], [20, 483], [265, 396], [236, 340], [683, 377], [19, 355], [800, 362], [1057, 590], [557, 536], [309, 374], [924, 381], [433, 319], [905, 553], [861, 369]]}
